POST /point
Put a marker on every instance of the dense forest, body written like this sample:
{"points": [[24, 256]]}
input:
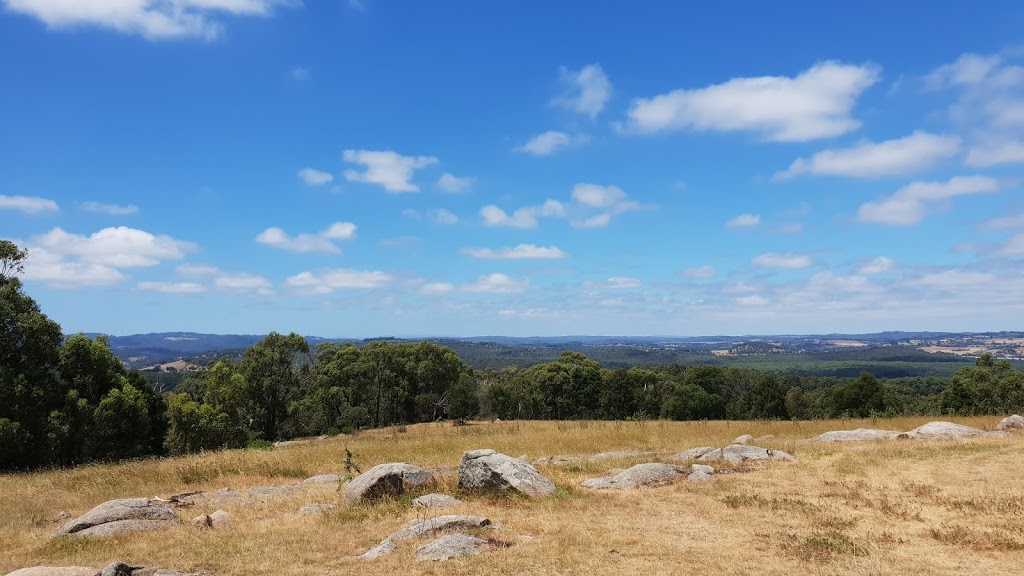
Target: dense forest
{"points": [[69, 400]]}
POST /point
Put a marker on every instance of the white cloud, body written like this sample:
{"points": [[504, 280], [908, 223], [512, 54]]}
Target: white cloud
{"points": [[815, 104], [788, 260], [243, 282], [550, 142], [327, 281], [454, 184], [1004, 222], [909, 204], [876, 266], [198, 270], [994, 153], [522, 218], [28, 204], [150, 19], [120, 247], [586, 198], [522, 251], [914, 153], [309, 243], [1012, 246], [443, 217], [70, 274], [598, 196], [591, 90], [171, 287], [788, 228], [437, 288], [752, 300], [622, 282], [952, 280], [744, 221], [596, 221], [496, 284], [314, 177], [385, 168], [698, 272], [112, 209], [968, 70]]}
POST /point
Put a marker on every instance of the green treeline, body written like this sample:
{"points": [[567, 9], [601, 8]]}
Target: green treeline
{"points": [[67, 401]]}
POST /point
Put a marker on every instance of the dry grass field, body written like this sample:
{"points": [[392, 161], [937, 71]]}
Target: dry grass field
{"points": [[889, 507]]}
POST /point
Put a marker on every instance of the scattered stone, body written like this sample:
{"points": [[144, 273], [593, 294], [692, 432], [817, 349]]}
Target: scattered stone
{"points": [[386, 479], [451, 546], [1013, 423], [272, 490], [117, 569], [489, 470], [745, 439], [858, 435], [120, 516], [653, 474], [323, 479], [219, 520], [943, 431], [697, 453], [54, 571], [314, 509], [61, 516], [418, 528], [436, 501], [700, 473]]}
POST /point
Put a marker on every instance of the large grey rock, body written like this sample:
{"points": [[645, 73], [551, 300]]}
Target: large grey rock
{"points": [[451, 546], [487, 470], [417, 528], [704, 452], [739, 453], [943, 431], [116, 569], [858, 435], [436, 501], [323, 479], [700, 473], [653, 474], [1013, 423], [119, 516], [54, 571], [386, 479]]}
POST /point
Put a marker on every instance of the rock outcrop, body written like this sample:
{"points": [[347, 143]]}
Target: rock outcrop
{"points": [[858, 435], [652, 474], [219, 520], [1013, 423], [700, 473], [323, 479], [451, 546], [54, 571], [436, 501], [487, 470], [386, 479], [735, 453], [118, 517], [943, 431], [418, 528]]}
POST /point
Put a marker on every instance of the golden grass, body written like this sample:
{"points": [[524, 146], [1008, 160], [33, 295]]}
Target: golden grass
{"points": [[885, 507]]}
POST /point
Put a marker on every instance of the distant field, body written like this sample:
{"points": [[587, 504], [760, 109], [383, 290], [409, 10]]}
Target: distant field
{"points": [[892, 507]]}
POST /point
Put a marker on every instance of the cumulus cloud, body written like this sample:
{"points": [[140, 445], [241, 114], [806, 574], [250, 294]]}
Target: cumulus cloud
{"points": [[620, 282], [28, 204], [120, 247], [437, 288], [112, 209], [549, 142], [967, 70], [996, 152], [149, 19], [589, 89], [520, 252], [744, 221], [227, 281], [309, 243], [454, 184], [698, 272], [1004, 222], [314, 177], [909, 205], [522, 218], [327, 281], [876, 266], [788, 260], [443, 217], [914, 153], [59, 274], [171, 287], [591, 206], [815, 104], [496, 284], [1012, 246], [385, 168]]}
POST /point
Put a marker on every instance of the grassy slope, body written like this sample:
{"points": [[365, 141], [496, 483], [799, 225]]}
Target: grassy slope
{"points": [[873, 508]]}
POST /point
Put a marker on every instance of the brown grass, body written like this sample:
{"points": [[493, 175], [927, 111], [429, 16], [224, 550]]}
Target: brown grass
{"points": [[860, 508]]}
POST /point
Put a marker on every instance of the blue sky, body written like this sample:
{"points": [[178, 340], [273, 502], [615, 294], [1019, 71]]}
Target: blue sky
{"points": [[366, 168]]}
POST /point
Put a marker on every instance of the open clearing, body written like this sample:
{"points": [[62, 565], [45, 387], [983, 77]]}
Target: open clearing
{"points": [[884, 507]]}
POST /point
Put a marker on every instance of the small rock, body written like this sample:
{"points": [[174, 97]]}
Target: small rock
{"points": [[60, 517], [450, 546], [386, 479], [653, 474], [418, 528], [323, 479], [116, 569], [201, 521], [436, 501], [697, 453], [700, 473], [745, 439], [383, 549], [221, 520], [488, 470], [1013, 423], [313, 509]]}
